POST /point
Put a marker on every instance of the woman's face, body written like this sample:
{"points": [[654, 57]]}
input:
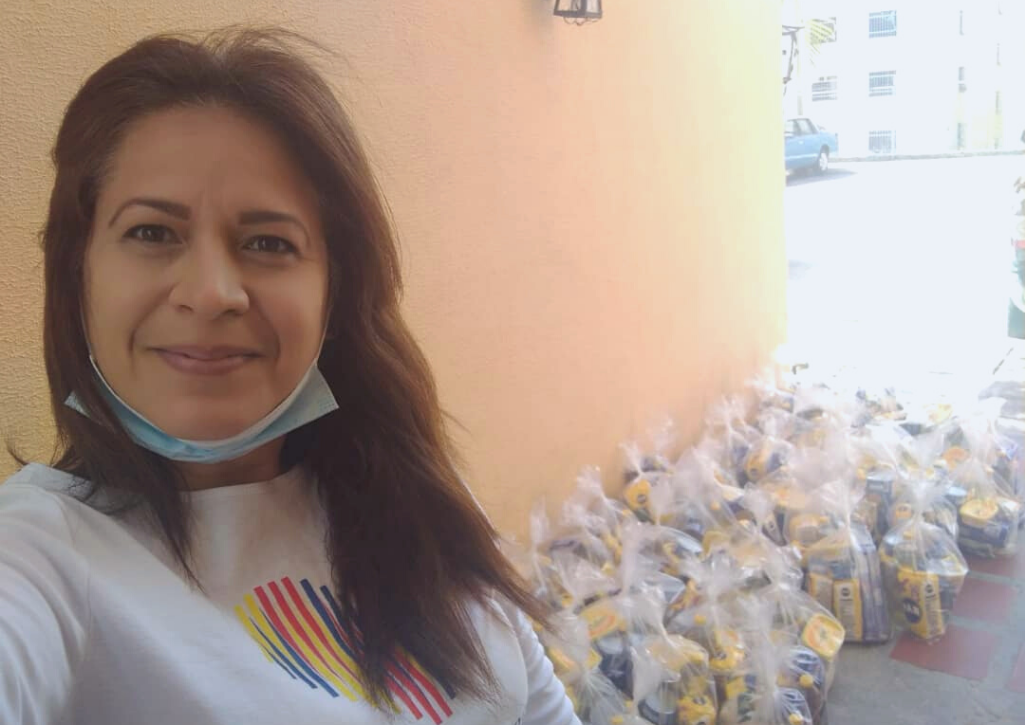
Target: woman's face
{"points": [[206, 272]]}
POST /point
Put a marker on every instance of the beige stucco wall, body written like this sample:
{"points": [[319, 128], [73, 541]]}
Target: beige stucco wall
{"points": [[591, 217]]}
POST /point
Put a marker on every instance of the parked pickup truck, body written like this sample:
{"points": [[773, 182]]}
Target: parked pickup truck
{"points": [[808, 146]]}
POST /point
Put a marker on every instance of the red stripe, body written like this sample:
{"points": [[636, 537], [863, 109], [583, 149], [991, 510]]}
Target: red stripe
{"points": [[268, 610], [427, 684], [283, 603], [397, 673], [400, 674], [316, 626]]}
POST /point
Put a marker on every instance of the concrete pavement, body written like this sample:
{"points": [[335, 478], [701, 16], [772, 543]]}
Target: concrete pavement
{"points": [[900, 269]]}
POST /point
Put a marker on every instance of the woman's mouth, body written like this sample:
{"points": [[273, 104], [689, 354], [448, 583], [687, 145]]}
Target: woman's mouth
{"points": [[205, 361]]}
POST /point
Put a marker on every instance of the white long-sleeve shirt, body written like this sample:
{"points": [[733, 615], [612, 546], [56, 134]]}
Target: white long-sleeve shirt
{"points": [[97, 626]]}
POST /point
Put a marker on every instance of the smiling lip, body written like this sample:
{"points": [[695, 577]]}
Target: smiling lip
{"points": [[205, 360]]}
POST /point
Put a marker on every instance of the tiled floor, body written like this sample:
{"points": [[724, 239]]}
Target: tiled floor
{"points": [[987, 601], [962, 652]]}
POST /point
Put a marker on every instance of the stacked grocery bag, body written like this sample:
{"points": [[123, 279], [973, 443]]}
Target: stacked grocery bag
{"points": [[719, 586]]}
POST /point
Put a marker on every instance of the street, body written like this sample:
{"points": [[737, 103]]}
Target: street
{"points": [[899, 270]]}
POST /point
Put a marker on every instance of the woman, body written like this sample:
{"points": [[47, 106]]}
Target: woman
{"points": [[254, 513]]}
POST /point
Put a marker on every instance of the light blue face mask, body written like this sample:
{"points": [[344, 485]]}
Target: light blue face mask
{"points": [[311, 399]]}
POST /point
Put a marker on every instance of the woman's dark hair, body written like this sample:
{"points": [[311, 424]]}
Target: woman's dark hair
{"points": [[409, 548]]}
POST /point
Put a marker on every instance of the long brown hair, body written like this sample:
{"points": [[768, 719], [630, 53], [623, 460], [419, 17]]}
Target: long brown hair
{"points": [[409, 548]]}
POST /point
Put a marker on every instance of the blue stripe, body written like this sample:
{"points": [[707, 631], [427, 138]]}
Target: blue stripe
{"points": [[297, 659], [326, 618], [342, 620], [280, 658], [280, 664]]}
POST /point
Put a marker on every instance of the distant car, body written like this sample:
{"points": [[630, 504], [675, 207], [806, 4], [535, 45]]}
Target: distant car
{"points": [[808, 146]]}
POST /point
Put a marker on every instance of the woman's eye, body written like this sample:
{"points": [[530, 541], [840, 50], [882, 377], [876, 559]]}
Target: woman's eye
{"points": [[150, 233], [274, 245]]}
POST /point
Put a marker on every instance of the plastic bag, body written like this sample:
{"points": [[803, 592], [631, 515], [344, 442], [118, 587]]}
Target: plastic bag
{"points": [[569, 571], [660, 548], [712, 621], [746, 549], [544, 576], [671, 681], [996, 453], [588, 508], [787, 496], [650, 553], [645, 474], [798, 620], [772, 390], [923, 571], [607, 629], [923, 483], [872, 406], [812, 516], [880, 452], [844, 574], [595, 699], [568, 645], [919, 419], [702, 507], [761, 506], [767, 454], [809, 512], [761, 693], [988, 515], [729, 437]]}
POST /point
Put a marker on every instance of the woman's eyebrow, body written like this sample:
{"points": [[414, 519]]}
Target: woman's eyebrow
{"points": [[181, 211], [264, 216]]}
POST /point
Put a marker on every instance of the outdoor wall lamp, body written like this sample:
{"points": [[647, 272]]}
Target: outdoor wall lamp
{"points": [[578, 11]]}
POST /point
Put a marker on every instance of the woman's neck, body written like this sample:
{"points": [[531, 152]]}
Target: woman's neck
{"points": [[262, 464]]}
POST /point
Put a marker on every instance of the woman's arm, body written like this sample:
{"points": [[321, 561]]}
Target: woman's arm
{"points": [[547, 703], [43, 607]]}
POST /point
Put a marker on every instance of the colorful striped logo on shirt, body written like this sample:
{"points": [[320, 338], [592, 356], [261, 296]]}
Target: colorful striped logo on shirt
{"points": [[298, 629]]}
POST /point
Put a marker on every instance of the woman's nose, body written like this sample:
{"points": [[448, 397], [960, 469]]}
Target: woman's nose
{"points": [[209, 281]]}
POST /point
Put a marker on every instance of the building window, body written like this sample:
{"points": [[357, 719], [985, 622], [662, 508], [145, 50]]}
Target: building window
{"points": [[962, 136], [882, 83], [882, 142], [823, 30], [962, 84], [824, 89], [882, 25]]}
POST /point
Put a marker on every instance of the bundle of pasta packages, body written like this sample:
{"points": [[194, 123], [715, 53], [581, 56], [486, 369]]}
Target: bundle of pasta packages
{"points": [[719, 585]]}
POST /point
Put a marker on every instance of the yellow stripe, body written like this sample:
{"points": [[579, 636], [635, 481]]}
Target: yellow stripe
{"points": [[314, 661], [332, 647], [262, 622], [240, 613]]}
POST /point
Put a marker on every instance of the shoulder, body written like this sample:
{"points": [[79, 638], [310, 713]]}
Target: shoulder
{"points": [[39, 549], [43, 478], [34, 502]]}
